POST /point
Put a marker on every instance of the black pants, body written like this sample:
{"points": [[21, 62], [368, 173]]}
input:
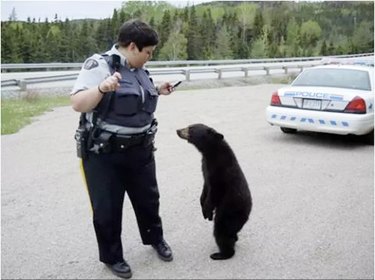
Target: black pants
{"points": [[108, 176]]}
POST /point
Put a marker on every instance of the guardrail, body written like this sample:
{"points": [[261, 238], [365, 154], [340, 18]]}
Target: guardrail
{"points": [[22, 83], [218, 66], [180, 63]]}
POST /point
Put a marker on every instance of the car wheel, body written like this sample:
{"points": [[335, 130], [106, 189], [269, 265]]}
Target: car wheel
{"points": [[288, 130]]}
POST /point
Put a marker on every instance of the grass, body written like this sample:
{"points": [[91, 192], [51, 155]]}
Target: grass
{"points": [[17, 113]]}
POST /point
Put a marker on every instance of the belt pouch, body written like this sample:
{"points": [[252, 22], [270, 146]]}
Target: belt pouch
{"points": [[122, 142]]}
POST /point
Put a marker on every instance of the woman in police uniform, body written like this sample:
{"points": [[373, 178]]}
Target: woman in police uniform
{"points": [[118, 98]]}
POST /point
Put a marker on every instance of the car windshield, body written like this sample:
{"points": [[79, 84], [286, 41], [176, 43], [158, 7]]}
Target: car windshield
{"points": [[328, 77]]}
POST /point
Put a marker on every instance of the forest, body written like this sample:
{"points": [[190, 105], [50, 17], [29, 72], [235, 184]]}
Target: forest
{"points": [[209, 31]]}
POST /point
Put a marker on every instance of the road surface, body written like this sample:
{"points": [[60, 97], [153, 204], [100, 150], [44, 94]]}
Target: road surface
{"points": [[313, 214]]}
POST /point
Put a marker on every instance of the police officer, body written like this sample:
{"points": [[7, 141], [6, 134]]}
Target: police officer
{"points": [[118, 99]]}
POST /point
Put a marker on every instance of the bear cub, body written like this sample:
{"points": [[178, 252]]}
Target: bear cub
{"points": [[226, 196]]}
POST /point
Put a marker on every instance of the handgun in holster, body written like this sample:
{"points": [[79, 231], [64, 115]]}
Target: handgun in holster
{"points": [[100, 141]]}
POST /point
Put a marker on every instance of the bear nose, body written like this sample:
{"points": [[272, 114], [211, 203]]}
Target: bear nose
{"points": [[183, 133]]}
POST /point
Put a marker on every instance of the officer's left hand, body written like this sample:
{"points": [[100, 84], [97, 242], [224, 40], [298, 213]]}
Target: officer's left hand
{"points": [[166, 88]]}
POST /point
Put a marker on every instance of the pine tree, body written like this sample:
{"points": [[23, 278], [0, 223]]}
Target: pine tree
{"points": [[323, 49], [194, 40], [165, 28], [207, 33], [222, 46], [13, 15], [258, 24]]}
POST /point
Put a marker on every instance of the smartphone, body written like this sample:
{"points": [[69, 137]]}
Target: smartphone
{"points": [[177, 84]]}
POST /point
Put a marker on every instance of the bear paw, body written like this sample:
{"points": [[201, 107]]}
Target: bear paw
{"points": [[221, 256], [207, 214]]}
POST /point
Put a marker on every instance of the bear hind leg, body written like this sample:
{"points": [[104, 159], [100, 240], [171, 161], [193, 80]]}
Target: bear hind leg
{"points": [[226, 247]]}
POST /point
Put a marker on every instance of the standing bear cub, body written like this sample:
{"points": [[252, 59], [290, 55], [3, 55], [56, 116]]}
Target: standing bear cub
{"points": [[226, 195]]}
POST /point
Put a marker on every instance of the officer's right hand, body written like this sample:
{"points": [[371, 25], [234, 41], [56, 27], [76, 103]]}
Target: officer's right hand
{"points": [[111, 83]]}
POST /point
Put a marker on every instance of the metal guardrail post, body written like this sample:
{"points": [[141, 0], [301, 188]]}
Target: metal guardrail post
{"points": [[187, 75], [219, 73], [22, 84], [246, 71]]}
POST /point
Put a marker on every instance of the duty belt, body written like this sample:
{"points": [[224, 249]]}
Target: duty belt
{"points": [[106, 142]]}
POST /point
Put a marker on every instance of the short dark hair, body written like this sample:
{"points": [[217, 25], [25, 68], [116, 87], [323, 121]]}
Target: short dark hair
{"points": [[139, 32]]}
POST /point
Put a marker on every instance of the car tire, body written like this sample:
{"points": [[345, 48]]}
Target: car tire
{"points": [[288, 130], [369, 138]]}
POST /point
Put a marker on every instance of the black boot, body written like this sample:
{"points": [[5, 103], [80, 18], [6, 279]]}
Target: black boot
{"points": [[120, 269], [163, 250]]}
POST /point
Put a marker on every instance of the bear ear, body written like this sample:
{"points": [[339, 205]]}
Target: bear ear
{"points": [[216, 134]]}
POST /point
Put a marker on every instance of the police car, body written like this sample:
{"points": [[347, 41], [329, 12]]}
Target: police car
{"points": [[335, 98]]}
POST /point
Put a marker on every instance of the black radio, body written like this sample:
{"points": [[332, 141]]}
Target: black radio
{"points": [[81, 137]]}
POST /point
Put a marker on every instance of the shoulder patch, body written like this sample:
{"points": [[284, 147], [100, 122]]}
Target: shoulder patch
{"points": [[90, 64]]}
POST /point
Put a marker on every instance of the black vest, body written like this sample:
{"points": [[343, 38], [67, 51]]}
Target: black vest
{"points": [[134, 103]]}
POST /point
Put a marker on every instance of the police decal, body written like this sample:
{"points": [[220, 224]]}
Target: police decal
{"points": [[90, 64]]}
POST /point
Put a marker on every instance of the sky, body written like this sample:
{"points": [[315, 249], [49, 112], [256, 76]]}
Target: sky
{"points": [[68, 9]]}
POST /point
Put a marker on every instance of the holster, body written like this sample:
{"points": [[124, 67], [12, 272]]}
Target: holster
{"points": [[100, 141]]}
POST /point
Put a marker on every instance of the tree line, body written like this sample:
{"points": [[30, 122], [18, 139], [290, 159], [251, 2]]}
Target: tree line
{"points": [[214, 30]]}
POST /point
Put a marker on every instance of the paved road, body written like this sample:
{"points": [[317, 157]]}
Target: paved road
{"points": [[313, 213]]}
